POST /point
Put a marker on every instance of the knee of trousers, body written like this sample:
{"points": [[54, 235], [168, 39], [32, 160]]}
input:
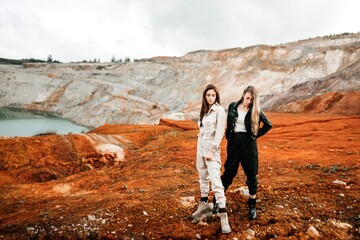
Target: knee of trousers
{"points": [[203, 175]]}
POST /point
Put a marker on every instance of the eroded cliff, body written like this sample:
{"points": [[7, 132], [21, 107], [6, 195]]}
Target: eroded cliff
{"points": [[165, 87]]}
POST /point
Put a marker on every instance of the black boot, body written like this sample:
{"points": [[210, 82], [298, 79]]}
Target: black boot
{"points": [[252, 208], [215, 209]]}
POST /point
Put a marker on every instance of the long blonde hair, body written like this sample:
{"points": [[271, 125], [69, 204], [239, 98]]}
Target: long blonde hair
{"points": [[255, 114]]}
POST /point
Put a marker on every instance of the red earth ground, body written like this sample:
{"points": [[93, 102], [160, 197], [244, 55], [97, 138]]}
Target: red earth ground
{"points": [[60, 187]]}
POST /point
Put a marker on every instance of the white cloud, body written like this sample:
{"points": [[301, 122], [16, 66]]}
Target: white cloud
{"points": [[87, 29]]}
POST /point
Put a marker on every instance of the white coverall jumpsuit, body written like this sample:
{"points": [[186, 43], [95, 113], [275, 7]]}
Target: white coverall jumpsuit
{"points": [[208, 146]]}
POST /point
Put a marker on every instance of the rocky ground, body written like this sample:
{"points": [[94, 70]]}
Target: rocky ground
{"points": [[62, 187]]}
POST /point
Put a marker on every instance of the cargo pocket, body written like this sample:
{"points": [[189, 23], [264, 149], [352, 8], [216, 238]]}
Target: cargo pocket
{"points": [[206, 150]]}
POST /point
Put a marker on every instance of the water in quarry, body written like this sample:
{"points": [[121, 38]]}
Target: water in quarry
{"points": [[24, 123]]}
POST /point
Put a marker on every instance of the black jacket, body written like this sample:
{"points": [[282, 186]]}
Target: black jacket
{"points": [[233, 115]]}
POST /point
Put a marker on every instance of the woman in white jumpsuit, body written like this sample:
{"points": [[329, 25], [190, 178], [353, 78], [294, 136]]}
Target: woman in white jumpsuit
{"points": [[212, 123]]}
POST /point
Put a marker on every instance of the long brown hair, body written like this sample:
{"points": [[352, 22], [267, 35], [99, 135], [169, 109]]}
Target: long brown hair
{"points": [[255, 114], [205, 105]]}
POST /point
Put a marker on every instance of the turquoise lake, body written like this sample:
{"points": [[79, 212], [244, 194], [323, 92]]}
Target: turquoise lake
{"points": [[23, 123]]}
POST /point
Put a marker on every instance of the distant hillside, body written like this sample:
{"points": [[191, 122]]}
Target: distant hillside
{"points": [[22, 61], [11, 61], [290, 77]]}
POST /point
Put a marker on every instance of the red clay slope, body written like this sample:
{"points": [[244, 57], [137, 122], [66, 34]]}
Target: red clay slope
{"points": [[57, 187]]}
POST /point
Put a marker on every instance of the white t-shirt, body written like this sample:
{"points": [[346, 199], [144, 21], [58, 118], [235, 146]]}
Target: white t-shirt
{"points": [[240, 122]]}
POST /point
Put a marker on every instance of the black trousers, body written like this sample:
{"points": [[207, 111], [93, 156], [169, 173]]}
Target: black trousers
{"points": [[241, 149]]}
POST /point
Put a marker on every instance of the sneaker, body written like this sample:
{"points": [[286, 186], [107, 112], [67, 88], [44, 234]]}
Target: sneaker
{"points": [[225, 227], [202, 208]]}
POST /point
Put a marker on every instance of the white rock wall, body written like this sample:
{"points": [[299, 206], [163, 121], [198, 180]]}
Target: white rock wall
{"points": [[143, 92]]}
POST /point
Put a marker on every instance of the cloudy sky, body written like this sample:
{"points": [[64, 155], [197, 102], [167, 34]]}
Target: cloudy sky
{"points": [[76, 30]]}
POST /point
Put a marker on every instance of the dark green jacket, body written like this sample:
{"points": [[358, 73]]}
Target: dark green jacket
{"points": [[233, 115]]}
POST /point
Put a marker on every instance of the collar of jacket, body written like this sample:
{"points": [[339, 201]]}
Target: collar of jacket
{"points": [[238, 103], [236, 107], [214, 107]]}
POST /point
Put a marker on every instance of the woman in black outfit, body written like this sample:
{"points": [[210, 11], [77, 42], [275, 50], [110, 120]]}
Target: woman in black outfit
{"points": [[243, 128]]}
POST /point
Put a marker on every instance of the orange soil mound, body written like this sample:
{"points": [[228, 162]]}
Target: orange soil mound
{"points": [[140, 198], [346, 103], [48, 157]]}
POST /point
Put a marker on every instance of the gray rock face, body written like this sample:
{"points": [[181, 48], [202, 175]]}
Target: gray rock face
{"points": [[150, 89]]}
